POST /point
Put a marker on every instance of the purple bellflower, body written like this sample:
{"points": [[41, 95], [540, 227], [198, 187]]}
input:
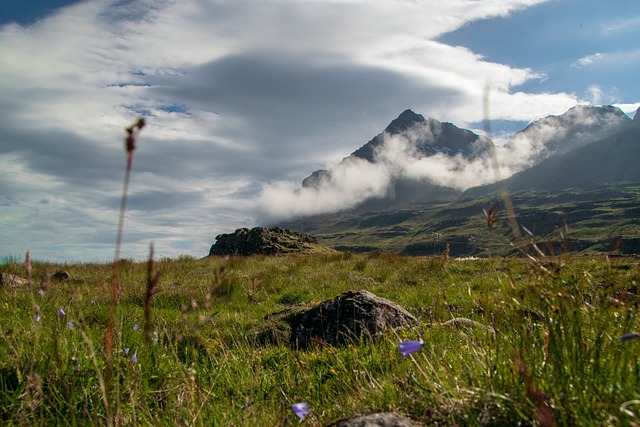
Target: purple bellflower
{"points": [[300, 409], [410, 347]]}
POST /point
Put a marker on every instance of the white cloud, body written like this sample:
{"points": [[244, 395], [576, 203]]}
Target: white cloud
{"points": [[588, 60], [620, 25]]}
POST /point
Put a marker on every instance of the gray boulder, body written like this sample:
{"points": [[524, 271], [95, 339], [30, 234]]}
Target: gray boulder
{"points": [[346, 318]]}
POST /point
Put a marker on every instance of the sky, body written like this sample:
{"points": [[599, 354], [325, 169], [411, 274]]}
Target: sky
{"points": [[244, 99]]}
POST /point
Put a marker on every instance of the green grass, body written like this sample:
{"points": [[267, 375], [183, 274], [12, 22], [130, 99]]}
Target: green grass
{"points": [[556, 348]]}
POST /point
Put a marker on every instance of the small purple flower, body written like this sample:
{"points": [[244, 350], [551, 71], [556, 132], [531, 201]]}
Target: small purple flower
{"points": [[126, 350], [61, 312], [410, 347], [69, 325], [627, 337], [136, 327], [38, 317], [300, 409], [134, 358]]}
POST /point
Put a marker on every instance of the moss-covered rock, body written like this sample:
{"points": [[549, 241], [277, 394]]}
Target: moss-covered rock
{"points": [[265, 241]]}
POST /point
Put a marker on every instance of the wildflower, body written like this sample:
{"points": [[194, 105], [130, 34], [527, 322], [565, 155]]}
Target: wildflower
{"points": [[409, 347], [126, 350], [333, 372], [136, 327], [61, 312], [627, 337], [134, 358], [155, 337], [69, 325], [38, 317], [300, 409]]}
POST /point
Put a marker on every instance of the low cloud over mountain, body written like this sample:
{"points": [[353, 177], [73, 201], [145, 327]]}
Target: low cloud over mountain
{"points": [[435, 155]]}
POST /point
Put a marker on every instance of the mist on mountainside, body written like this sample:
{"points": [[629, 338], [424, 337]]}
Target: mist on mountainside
{"points": [[430, 152]]}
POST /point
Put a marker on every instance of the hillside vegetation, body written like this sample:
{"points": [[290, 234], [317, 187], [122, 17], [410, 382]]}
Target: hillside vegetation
{"points": [[590, 220], [538, 342]]}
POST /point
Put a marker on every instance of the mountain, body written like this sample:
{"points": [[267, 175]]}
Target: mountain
{"points": [[577, 189], [424, 137], [428, 136], [582, 163], [610, 160], [407, 139], [579, 126]]}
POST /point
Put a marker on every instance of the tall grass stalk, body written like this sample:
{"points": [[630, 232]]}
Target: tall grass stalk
{"points": [[130, 146]]}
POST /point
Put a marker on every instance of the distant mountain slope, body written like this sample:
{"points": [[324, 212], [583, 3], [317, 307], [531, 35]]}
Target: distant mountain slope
{"points": [[578, 126], [611, 160]]}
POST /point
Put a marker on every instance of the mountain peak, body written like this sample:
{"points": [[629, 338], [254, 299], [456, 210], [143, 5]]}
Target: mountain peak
{"points": [[405, 120]]}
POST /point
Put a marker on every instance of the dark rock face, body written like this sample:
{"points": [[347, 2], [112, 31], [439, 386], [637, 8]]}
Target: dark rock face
{"points": [[429, 136], [348, 317], [261, 241], [377, 420], [316, 179]]}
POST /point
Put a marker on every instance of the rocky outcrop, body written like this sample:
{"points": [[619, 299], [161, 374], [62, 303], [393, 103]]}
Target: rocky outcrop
{"points": [[344, 319], [265, 241]]}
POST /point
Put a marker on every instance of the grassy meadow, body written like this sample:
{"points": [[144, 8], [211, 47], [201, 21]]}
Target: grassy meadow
{"points": [[545, 348]]}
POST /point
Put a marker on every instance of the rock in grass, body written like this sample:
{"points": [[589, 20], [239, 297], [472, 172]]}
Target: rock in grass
{"points": [[61, 276], [7, 279], [347, 318], [377, 420], [265, 241]]}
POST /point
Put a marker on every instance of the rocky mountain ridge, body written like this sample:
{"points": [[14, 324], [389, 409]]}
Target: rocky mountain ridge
{"points": [[425, 138]]}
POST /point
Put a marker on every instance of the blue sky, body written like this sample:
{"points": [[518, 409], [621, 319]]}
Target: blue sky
{"points": [[244, 99], [576, 45]]}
